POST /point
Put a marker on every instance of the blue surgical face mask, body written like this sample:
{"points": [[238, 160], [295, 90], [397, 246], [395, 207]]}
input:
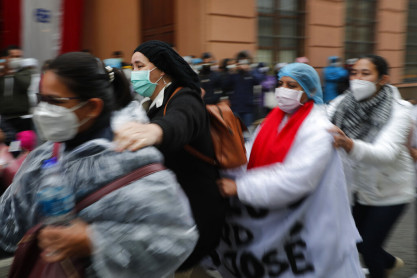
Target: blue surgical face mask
{"points": [[141, 82]]}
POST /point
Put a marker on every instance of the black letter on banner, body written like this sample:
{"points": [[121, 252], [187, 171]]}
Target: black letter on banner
{"points": [[271, 260], [250, 266], [227, 234], [295, 256], [241, 234], [229, 262]]}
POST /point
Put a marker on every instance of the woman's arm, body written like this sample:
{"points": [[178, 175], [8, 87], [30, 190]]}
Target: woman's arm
{"points": [[185, 117], [282, 184], [390, 141], [144, 229]]}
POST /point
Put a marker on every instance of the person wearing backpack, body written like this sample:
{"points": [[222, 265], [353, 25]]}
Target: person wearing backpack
{"points": [[159, 72]]}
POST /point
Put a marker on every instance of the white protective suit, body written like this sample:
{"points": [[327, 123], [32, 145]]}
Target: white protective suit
{"points": [[293, 219]]}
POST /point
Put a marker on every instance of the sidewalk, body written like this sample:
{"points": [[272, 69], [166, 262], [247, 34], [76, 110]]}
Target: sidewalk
{"points": [[402, 243]]}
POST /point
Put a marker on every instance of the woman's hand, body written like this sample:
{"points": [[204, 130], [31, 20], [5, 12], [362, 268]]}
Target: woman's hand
{"points": [[413, 153], [340, 140], [134, 136], [60, 242], [227, 187]]}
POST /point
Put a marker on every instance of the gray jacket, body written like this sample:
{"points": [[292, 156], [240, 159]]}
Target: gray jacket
{"points": [[144, 229]]}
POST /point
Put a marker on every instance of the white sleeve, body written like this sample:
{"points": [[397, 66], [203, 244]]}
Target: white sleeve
{"points": [[282, 184], [333, 104], [389, 142]]}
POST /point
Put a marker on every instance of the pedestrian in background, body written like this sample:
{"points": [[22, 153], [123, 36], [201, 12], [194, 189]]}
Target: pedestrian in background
{"points": [[289, 211], [243, 82], [372, 126], [334, 76], [226, 68], [14, 84], [210, 80]]}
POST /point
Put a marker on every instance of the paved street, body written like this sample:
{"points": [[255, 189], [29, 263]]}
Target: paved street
{"points": [[402, 243]]}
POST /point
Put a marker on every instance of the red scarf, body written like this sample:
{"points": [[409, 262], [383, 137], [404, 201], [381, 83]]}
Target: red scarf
{"points": [[271, 146]]}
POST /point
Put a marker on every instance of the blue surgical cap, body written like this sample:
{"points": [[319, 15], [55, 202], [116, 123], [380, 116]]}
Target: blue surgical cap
{"points": [[307, 77]]}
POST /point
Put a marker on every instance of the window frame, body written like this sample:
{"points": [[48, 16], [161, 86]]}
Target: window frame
{"points": [[409, 63], [277, 14], [353, 42]]}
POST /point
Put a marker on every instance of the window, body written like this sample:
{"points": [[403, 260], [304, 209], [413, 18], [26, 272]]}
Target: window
{"points": [[360, 28], [280, 30], [410, 66]]}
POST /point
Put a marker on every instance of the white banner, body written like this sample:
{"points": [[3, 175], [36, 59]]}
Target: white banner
{"points": [[41, 28]]}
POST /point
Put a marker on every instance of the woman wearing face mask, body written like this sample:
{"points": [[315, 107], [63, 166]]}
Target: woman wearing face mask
{"points": [[144, 229], [372, 127], [177, 118], [290, 212]]}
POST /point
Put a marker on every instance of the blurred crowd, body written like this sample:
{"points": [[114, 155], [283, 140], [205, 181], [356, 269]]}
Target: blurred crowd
{"points": [[329, 156]]}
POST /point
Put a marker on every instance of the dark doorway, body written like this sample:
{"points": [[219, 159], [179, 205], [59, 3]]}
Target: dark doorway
{"points": [[158, 20]]}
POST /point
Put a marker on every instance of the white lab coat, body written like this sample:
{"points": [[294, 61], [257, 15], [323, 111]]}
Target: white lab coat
{"points": [[293, 219]]}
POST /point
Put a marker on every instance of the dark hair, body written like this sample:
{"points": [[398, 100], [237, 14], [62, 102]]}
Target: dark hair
{"points": [[379, 62], [169, 61], [244, 54], [206, 55], [224, 63], [45, 65], [3, 53], [87, 77], [117, 53], [12, 47]]}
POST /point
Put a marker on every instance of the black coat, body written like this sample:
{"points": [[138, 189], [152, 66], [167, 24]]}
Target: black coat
{"points": [[16, 102], [186, 122]]}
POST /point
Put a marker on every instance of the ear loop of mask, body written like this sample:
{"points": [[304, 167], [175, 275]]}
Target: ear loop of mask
{"points": [[149, 77], [72, 109]]}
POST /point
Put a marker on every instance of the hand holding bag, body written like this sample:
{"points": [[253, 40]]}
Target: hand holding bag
{"points": [[27, 259]]}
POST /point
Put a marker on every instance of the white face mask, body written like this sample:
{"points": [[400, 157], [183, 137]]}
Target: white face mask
{"points": [[56, 123], [288, 99], [362, 89]]}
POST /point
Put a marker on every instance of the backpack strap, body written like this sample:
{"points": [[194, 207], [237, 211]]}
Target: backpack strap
{"points": [[201, 156], [55, 150], [187, 147], [118, 183], [173, 94]]}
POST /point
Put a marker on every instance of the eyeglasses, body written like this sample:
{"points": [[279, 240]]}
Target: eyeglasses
{"points": [[52, 99]]}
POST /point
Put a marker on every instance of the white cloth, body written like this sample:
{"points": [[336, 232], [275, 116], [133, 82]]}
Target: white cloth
{"points": [[133, 112], [382, 172], [413, 139], [293, 219]]}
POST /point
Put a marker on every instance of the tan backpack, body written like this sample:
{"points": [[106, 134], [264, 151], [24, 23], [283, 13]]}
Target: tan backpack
{"points": [[227, 135]]}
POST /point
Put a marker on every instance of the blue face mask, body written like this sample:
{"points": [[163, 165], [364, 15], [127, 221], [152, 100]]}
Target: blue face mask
{"points": [[141, 83]]}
